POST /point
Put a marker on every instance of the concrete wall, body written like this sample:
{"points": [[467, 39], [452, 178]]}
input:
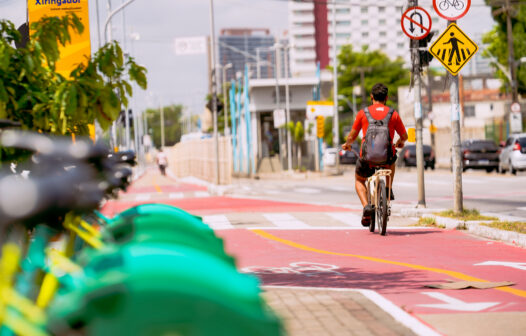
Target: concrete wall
{"points": [[197, 159]]}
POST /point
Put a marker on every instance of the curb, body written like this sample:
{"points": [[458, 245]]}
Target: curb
{"points": [[477, 228]]}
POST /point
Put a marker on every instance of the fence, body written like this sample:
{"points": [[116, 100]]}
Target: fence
{"points": [[197, 158]]}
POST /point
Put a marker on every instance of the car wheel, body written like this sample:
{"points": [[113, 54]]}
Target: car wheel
{"points": [[432, 167], [513, 170], [489, 170]]}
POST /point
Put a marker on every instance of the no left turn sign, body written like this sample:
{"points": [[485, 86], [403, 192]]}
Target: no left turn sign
{"points": [[452, 10], [416, 23]]}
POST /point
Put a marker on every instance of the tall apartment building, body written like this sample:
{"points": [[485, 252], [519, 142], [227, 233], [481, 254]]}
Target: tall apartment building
{"points": [[372, 23], [240, 46]]}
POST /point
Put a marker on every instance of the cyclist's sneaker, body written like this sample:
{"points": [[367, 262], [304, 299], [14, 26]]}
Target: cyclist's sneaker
{"points": [[367, 213]]}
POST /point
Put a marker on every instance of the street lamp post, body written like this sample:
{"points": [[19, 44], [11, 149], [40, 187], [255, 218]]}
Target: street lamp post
{"points": [[336, 124], [214, 91]]}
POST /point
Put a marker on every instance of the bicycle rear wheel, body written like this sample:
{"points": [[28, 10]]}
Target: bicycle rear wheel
{"points": [[381, 212], [370, 202]]}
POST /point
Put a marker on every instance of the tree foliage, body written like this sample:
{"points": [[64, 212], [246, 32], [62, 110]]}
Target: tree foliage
{"points": [[497, 43], [377, 67], [172, 124], [41, 99]]}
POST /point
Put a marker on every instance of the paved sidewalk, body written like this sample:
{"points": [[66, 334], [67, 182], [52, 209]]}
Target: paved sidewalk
{"points": [[325, 312]]}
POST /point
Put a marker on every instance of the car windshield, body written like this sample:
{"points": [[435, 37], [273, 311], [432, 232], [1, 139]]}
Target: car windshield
{"points": [[478, 145], [522, 141]]}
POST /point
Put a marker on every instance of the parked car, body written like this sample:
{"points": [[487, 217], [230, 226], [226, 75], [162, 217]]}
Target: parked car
{"points": [[480, 154], [407, 156], [513, 154], [350, 156]]}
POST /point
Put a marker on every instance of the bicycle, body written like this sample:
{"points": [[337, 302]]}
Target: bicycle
{"points": [[379, 197], [457, 4]]}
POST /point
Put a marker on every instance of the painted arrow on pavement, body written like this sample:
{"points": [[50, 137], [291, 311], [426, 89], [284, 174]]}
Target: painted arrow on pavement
{"points": [[451, 303], [517, 265]]}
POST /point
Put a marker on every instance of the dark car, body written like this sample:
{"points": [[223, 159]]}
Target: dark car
{"points": [[480, 154], [407, 156], [350, 156]]}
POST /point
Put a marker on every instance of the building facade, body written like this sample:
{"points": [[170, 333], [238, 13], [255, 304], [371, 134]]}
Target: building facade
{"points": [[375, 24], [240, 46]]}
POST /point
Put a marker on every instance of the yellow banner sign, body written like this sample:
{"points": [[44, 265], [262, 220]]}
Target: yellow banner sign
{"points": [[80, 48], [453, 49]]}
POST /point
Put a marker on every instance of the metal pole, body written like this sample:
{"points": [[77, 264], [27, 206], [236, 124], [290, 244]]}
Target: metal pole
{"points": [[123, 28], [161, 111], [456, 141], [362, 83], [430, 107], [278, 103], [110, 16], [225, 108], [98, 23], [419, 125], [336, 119], [287, 108], [258, 65], [511, 55], [214, 88]]}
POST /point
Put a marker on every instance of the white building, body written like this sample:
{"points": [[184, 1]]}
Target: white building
{"points": [[376, 24]]}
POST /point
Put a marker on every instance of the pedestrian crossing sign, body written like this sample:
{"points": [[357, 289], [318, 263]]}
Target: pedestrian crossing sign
{"points": [[453, 49]]}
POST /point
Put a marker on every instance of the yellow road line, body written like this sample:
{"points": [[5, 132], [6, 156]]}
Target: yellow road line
{"points": [[156, 186], [453, 274]]}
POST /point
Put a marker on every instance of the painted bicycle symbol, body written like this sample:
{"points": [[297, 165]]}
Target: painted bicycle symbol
{"points": [[445, 4]]}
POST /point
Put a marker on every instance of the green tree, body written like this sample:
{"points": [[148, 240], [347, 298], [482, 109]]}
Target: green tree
{"points": [[34, 94], [497, 42], [172, 124], [377, 67]]}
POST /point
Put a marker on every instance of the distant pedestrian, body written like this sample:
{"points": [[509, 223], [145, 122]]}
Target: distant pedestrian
{"points": [[162, 161]]}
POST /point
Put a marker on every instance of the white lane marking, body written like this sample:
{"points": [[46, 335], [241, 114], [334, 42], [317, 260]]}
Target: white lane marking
{"points": [[143, 197], [272, 192], [516, 265], [450, 303], [201, 194], [340, 188], [285, 221], [347, 218], [390, 308], [307, 190], [404, 184], [437, 182], [334, 228], [473, 181], [218, 222], [522, 209], [176, 195]]}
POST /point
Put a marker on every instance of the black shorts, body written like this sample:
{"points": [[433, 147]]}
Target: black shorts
{"points": [[365, 170]]}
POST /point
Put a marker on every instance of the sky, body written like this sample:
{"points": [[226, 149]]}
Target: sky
{"points": [[156, 23]]}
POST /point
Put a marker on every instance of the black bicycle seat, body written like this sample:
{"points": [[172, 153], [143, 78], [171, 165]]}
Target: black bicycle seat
{"points": [[6, 123], [64, 147], [42, 200]]}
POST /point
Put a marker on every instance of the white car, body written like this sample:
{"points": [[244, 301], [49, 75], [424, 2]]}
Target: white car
{"points": [[513, 154]]}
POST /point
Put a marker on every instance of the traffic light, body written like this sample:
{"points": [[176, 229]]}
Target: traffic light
{"points": [[425, 55], [320, 126]]}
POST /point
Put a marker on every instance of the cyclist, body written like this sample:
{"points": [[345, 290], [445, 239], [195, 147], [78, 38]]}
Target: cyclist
{"points": [[376, 113]]}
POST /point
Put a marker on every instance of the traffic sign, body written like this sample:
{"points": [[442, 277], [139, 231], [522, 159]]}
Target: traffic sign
{"points": [[411, 135], [191, 45], [432, 129], [416, 23], [452, 10], [279, 118], [319, 108], [516, 108], [453, 49]]}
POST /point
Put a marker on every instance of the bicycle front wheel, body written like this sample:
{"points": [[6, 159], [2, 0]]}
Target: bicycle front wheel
{"points": [[443, 5], [382, 211]]}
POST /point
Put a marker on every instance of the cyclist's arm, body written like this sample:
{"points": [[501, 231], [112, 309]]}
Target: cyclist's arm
{"points": [[351, 137], [401, 141], [357, 126], [400, 129]]}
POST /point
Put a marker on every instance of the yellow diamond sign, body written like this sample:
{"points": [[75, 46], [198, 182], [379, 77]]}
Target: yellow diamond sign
{"points": [[453, 49]]}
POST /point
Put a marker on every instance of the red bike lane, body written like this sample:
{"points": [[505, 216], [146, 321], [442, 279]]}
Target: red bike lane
{"points": [[398, 266]]}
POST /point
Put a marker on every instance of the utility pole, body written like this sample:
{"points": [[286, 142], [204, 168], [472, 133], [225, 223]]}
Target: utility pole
{"points": [[214, 89], [415, 53], [161, 111], [511, 56], [287, 107], [456, 154], [225, 105], [336, 121]]}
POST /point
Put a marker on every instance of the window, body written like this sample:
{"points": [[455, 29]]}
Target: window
{"points": [[399, 9], [365, 34], [364, 9], [400, 45], [383, 34], [398, 22], [365, 22], [343, 10], [383, 46], [343, 23], [381, 9], [469, 111], [343, 35], [399, 33], [381, 21]]}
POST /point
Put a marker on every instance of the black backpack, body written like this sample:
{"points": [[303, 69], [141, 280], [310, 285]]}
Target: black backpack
{"points": [[377, 147]]}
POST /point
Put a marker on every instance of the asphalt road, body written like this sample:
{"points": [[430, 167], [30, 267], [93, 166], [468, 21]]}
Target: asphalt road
{"points": [[487, 192]]}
